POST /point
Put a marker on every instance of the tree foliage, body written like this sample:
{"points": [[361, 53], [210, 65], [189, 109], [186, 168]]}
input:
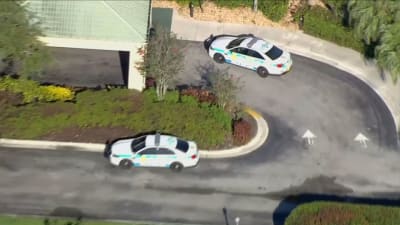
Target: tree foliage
{"points": [[163, 59], [225, 87], [377, 22], [18, 40]]}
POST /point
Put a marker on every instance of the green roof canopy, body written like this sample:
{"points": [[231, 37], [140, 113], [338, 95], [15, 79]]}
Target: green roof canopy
{"points": [[113, 20]]}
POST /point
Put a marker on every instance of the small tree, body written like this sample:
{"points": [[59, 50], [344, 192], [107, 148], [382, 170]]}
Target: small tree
{"points": [[225, 87], [163, 59], [18, 40]]}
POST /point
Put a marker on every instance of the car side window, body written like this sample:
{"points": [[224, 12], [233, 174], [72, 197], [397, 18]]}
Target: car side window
{"points": [[165, 151], [149, 151], [240, 50], [254, 54]]}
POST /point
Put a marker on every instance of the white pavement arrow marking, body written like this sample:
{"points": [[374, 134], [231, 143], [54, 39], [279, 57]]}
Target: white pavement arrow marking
{"points": [[362, 139], [309, 136]]}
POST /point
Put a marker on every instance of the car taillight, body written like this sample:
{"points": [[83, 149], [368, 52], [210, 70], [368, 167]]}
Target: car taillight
{"points": [[193, 156], [279, 65]]}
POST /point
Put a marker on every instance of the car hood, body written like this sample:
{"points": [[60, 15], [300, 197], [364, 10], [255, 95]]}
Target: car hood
{"points": [[121, 146], [222, 42]]}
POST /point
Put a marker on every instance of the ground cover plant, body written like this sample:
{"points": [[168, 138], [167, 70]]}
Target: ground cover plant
{"points": [[334, 213], [274, 10], [25, 220], [101, 115]]}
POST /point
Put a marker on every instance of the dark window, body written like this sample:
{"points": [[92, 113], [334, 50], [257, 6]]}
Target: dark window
{"points": [[274, 53], [138, 143], [254, 54], [240, 50], [149, 151], [165, 151], [235, 42], [182, 145]]}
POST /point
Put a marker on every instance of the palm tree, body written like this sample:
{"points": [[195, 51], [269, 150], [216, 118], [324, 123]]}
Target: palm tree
{"points": [[370, 17], [388, 52], [377, 22]]}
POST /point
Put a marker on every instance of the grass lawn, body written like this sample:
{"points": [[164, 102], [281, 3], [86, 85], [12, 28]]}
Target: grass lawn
{"points": [[101, 115], [22, 220]]}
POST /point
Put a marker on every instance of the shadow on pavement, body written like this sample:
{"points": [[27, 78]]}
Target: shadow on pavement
{"points": [[288, 204]]}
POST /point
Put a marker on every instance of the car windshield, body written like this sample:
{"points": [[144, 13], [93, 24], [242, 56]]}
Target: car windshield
{"points": [[138, 143], [274, 53], [235, 42], [182, 145]]}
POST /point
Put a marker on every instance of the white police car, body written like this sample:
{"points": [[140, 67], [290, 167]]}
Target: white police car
{"points": [[154, 150], [249, 51]]}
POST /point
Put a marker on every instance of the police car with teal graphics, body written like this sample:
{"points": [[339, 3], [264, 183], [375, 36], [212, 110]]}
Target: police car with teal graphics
{"points": [[153, 150], [249, 51]]}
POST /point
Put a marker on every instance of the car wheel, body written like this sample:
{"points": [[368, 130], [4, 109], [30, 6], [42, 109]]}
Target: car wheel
{"points": [[176, 167], [262, 72], [219, 58], [125, 164]]}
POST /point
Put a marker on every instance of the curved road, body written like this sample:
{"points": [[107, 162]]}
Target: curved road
{"points": [[314, 96]]}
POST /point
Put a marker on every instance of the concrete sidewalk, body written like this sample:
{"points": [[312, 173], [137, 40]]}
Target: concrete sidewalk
{"points": [[305, 45]]}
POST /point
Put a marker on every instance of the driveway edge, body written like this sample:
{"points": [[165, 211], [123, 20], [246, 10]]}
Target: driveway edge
{"points": [[305, 45], [254, 144]]}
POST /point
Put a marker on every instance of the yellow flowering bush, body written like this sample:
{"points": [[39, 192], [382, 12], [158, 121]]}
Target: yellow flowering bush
{"points": [[33, 91], [54, 93]]}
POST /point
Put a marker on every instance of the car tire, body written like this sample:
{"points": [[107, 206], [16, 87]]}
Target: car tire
{"points": [[262, 72], [176, 167], [219, 58], [125, 164]]}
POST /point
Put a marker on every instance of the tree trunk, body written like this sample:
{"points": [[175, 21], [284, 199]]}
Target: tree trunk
{"points": [[255, 5]]}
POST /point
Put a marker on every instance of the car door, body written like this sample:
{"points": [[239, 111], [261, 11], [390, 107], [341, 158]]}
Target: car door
{"points": [[238, 56], [165, 157], [254, 59], [146, 157]]}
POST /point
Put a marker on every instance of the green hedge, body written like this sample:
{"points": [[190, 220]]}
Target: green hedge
{"points": [[208, 125], [320, 22], [25, 220], [273, 9], [333, 213]]}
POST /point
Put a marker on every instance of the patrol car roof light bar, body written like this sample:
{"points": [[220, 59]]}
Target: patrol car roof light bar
{"points": [[252, 42], [157, 139]]}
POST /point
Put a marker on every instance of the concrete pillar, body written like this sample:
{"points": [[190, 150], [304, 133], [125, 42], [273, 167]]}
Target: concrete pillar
{"points": [[135, 79]]}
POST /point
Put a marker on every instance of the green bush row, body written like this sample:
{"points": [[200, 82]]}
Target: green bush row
{"points": [[273, 9], [333, 213], [33, 91], [320, 22], [208, 125]]}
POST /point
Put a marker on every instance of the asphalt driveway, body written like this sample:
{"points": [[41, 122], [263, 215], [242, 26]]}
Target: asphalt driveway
{"points": [[314, 96]]}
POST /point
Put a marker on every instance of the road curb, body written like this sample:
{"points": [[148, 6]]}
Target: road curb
{"points": [[260, 137]]}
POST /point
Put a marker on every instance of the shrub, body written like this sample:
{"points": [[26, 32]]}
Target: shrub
{"points": [[171, 97], [241, 132], [273, 9], [200, 94], [334, 213], [322, 23], [33, 91], [233, 4], [54, 93]]}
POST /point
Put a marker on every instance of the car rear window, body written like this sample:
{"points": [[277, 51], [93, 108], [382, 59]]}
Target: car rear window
{"points": [[274, 53], [235, 42], [182, 145]]}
